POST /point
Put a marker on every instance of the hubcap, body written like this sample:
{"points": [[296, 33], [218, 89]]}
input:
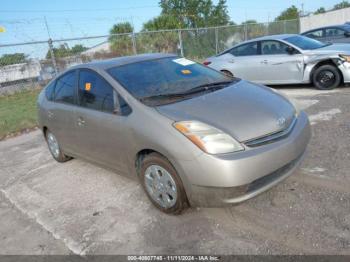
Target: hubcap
{"points": [[53, 145], [326, 78], [161, 186]]}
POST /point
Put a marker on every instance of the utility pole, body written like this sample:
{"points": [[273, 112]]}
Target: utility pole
{"points": [[53, 59]]}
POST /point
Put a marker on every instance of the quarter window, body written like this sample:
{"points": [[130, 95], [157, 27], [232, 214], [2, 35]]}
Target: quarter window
{"points": [[273, 48], [95, 92], [65, 88], [245, 50], [49, 91]]}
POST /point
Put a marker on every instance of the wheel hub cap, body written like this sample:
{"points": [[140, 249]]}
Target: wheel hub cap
{"points": [[53, 144], [161, 186]]}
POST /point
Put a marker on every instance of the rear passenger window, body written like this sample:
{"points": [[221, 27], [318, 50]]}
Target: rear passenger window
{"points": [[95, 92], [65, 88], [246, 49], [49, 91]]}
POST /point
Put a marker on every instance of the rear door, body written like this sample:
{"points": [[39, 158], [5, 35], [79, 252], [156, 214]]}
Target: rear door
{"points": [[243, 61], [61, 110], [102, 131], [280, 67]]}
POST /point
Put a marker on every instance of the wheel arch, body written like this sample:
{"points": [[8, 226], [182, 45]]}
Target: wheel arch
{"points": [[328, 61]]}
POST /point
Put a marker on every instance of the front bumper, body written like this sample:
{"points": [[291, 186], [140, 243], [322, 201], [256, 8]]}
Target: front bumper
{"points": [[345, 69], [236, 177]]}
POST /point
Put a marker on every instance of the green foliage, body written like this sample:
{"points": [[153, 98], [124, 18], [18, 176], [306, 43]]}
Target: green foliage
{"points": [[121, 44], [341, 5], [18, 112], [196, 13], [289, 14], [321, 10], [64, 51], [10, 59]]}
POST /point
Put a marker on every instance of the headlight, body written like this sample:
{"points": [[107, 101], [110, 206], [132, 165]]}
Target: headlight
{"points": [[346, 58], [210, 139]]}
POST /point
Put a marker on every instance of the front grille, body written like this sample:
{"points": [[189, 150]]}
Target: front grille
{"points": [[272, 137]]}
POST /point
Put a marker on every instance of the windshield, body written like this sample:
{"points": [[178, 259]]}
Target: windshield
{"points": [[159, 79], [305, 43]]}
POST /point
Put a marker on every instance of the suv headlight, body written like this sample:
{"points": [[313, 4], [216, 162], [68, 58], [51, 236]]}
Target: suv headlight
{"points": [[209, 139]]}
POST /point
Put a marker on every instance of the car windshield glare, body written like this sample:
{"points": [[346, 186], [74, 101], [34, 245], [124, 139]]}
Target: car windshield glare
{"points": [[305, 43], [160, 78]]}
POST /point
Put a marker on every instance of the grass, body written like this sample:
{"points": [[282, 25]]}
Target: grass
{"points": [[18, 112]]}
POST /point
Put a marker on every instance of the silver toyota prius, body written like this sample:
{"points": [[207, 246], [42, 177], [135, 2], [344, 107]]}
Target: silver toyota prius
{"points": [[190, 134]]}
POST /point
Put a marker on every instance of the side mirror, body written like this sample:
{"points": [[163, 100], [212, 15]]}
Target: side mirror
{"points": [[347, 34], [290, 50]]}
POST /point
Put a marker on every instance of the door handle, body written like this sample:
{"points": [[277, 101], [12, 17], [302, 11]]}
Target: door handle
{"points": [[264, 62], [231, 61], [81, 121]]}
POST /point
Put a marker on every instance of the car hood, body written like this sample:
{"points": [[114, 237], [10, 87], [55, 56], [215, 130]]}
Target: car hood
{"points": [[333, 48], [244, 110]]}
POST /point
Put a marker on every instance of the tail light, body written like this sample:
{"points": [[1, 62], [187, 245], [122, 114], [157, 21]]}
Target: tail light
{"points": [[206, 63]]}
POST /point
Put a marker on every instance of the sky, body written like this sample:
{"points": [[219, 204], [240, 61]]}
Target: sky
{"points": [[24, 20]]}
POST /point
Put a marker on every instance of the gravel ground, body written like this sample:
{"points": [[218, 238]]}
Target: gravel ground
{"points": [[77, 207]]}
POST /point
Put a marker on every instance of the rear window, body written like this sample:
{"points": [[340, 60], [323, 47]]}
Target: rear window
{"points": [[163, 76]]}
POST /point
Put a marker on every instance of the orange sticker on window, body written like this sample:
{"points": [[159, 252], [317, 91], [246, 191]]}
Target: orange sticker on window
{"points": [[186, 72], [87, 86]]}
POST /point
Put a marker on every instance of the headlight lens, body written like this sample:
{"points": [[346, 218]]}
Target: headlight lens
{"points": [[346, 58], [210, 139]]}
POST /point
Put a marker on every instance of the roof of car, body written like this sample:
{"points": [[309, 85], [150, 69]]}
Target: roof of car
{"points": [[108, 63], [342, 26], [269, 37]]}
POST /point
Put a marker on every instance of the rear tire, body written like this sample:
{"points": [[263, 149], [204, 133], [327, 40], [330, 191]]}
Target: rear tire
{"points": [[162, 184], [55, 148], [326, 77]]}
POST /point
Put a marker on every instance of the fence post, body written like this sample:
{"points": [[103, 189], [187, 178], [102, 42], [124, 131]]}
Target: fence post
{"points": [[180, 42], [133, 42], [284, 27], [216, 40], [245, 31], [53, 59]]}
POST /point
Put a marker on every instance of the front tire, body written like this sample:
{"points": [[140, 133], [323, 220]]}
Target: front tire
{"points": [[162, 184], [55, 148], [227, 73], [326, 77]]}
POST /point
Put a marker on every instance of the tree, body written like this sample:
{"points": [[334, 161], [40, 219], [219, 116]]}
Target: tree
{"points": [[289, 14], [121, 44], [196, 13], [64, 50], [341, 5], [321, 10], [10, 59]]}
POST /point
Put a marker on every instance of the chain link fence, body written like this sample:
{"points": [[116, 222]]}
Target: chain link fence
{"points": [[32, 64]]}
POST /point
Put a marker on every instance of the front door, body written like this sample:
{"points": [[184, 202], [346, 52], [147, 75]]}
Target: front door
{"points": [[102, 133], [280, 67]]}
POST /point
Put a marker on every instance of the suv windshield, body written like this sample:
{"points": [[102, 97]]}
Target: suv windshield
{"points": [[167, 80], [305, 43]]}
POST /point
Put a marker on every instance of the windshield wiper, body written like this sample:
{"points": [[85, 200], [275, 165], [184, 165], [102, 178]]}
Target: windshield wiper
{"points": [[194, 90], [208, 86]]}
